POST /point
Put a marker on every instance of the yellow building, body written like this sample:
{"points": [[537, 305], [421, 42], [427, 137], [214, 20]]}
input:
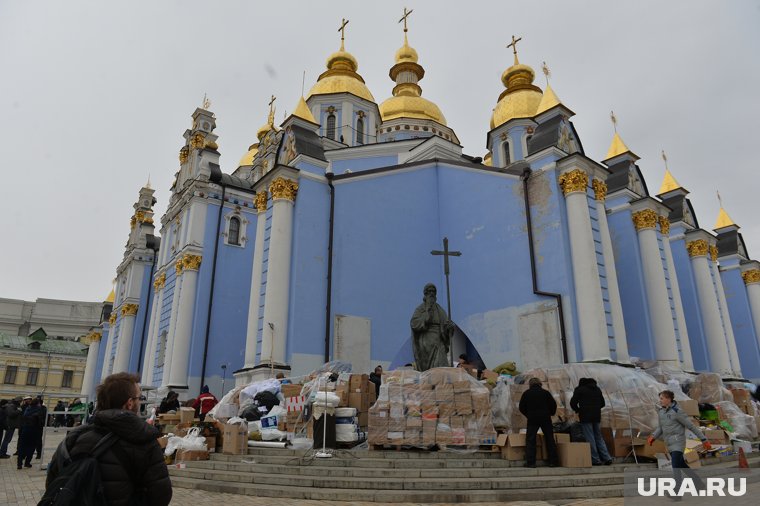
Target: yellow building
{"points": [[36, 365]]}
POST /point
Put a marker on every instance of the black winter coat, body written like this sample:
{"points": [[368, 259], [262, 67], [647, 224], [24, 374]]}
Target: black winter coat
{"points": [[588, 402], [12, 416], [31, 426], [138, 440], [537, 405]]}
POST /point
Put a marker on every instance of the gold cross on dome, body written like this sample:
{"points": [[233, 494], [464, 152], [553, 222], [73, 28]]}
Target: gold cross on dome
{"points": [[404, 17], [342, 30], [665, 159], [271, 110], [613, 118], [546, 71], [513, 45]]}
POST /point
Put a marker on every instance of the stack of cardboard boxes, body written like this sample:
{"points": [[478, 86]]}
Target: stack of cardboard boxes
{"points": [[361, 396]]}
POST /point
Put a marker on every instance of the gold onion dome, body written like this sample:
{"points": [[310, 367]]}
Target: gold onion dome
{"points": [[341, 77], [521, 98], [407, 101], [247, 159]]}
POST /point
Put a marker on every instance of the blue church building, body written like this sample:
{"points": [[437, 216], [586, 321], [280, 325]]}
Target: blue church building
{"points": [[317, 246]]}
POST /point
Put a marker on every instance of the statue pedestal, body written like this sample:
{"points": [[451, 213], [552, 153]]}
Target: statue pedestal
{"points": [[259, 372]]}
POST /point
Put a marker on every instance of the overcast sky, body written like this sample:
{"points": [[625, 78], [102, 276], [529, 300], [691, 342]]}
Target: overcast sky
{"points": [[94, 98]]}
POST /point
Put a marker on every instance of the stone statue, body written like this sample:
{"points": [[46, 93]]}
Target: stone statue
{"points": [[431, 332]]}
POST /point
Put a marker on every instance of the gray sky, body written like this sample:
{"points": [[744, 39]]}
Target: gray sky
{"points": [[94, 97]]}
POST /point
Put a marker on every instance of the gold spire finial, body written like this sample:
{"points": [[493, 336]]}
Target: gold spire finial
{"points": [[513, 45], [724, 220], [303, 82], [404, 19], [271, 110], [613, 118], [546, 71], [342, 31], [147, 184], [206, 102]]}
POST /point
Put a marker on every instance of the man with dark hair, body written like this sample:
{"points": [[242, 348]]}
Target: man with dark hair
{"points": [[376, 377], [204, 403], [588, 402], [132, 470], [12, 422], [538, 406]]}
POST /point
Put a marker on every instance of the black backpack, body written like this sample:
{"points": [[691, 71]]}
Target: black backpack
{"points": [[78, 481]]}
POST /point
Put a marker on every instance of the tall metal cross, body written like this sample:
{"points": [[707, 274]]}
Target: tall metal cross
{"points": [[404, 17], [446, 254], [271, 110], [513, 45], [342, 30], [613, 118]]}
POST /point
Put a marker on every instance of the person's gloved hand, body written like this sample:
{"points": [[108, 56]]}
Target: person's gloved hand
{"points": [[706, 445], [650, 440]]}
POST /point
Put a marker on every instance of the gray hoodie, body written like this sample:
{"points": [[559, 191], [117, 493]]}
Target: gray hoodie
{"points": [[673, 425]]}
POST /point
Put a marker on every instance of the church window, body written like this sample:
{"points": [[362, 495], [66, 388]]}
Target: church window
{"points": [[360, 131], [331, 126], [507, 160], [10, 374], [233, 236]]}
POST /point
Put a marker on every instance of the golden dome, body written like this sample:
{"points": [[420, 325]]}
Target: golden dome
{"points": [[406, 53], [488, 160], [264, 130], [341, 77], [402, 106], [247, 159], [521, 98]]}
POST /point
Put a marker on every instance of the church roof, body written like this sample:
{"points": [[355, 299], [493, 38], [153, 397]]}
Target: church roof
{"points": [[303, 112], [110, 297], [669, 183], [60, 346], [341, 77], [724, 220], [617, 147], [548, 100]]}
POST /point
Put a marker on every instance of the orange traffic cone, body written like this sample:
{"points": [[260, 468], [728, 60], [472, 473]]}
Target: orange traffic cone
{"points": [[743, 464]]}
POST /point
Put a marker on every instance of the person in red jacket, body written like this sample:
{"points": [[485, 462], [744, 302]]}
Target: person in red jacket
{"points": [[204, 403]]}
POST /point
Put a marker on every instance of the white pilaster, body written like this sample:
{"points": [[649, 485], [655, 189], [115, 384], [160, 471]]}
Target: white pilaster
{"points": [[717, 348], [183, 330], [588, 292], [105, 371], [126, 331], [687, 363], [664, 332], [169, 349], [733, 353], [255, 301], [278, 271], [149, 358], [752, 280], [616, 307], [88, 382]]}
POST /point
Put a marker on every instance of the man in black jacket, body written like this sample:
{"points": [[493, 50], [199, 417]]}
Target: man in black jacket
{"points": [[588, 402], [538, 406], [12, 422], [133, 469]]}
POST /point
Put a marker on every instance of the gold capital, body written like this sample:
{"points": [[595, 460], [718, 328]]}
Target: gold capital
{"points": [[129, 309], [93, 337], [644, 219], [714, 252], [191, 262], [664, 225], [178, 266], [184, 153], [261, 201], [160, 281], [112, 318], [282, 188], [697, 248], [573, 181], [198, 141], [751, 276], [600, 189]]}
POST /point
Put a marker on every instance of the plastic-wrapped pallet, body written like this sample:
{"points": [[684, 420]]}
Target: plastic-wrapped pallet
{"points": [[664, 373], [708, 388], [444, 406], [744, 425]]}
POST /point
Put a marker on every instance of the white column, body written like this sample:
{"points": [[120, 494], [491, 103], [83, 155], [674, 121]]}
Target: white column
{"points": [[592, 321], [688, 362], [663, 331], [733, 353], [88, 382], [105, 371], [752, 280], [183, 330], [124, 345], [708, 305], [616, 307], [255, 301], [278, 271], [168, 350], [149, 357]]}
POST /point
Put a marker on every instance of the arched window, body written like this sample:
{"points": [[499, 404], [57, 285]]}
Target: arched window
{"points": [[360, 131], [331, 126], [233, 236], [507, 160]]}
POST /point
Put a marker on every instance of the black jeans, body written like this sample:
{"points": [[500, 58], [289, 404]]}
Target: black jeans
{"points": [[530, 441], [680, 467]]}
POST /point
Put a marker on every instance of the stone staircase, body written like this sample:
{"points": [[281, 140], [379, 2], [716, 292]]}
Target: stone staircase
{"points": [[396, 476]]}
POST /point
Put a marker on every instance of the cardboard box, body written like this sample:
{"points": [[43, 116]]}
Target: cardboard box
{"points": [[363, 419], [690, 407], [188, 455], [692, 459], [574, 454], [211, 444], [444, 393], [168, 419], [651, 452], [360, 401], [359, 383], [186, 415], [716, 436], [291, 390], [235, 439], [341, 390]]}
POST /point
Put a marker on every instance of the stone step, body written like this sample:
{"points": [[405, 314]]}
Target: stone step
{"points": [[543, 493], [383, 454], [402, 483]]}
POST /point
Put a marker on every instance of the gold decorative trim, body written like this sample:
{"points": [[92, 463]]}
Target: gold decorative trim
{"points": [[600, 189], [751, 276], [573, 181], [112, 318], [664, 225], [282, 188], [178, 266], [160, 282], [191, 262], [129, 309], [261, 201], [184, 154], [92, 337], [644, 219], [697, 248], [714, 252], [198, 141]]}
